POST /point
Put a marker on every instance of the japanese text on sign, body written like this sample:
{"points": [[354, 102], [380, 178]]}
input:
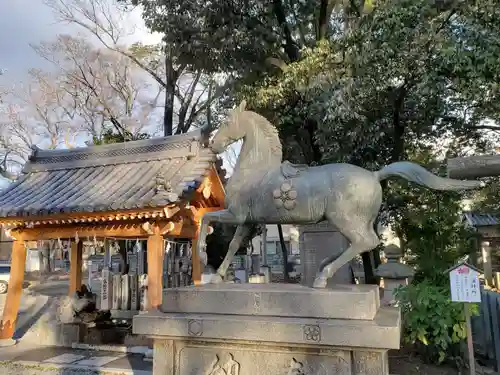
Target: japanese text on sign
{"points": [[464, 283]]}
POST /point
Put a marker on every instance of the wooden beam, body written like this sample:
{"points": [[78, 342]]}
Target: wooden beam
{"points": [[125, 230], [195, 258], [474, 167], [75, 271], [155, 270], [13, 300], [132, 213], [218, 191], [197, 213], [211, 187]]}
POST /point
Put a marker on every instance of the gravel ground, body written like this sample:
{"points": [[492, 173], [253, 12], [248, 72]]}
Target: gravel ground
{"points": [[14, 369]]}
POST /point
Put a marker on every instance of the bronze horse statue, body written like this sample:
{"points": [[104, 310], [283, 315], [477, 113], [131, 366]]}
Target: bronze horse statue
{"points": [[263, 190]]}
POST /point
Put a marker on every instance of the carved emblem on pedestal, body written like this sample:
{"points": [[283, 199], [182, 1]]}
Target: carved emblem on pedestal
{"points": [[285, 196], [315, 368], [256, 302], [195, 327], [312, 333], [296, 368], [230, 367]]}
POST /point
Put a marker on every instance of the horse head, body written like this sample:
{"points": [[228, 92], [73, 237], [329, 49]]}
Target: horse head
{"points": [[232, 130]]}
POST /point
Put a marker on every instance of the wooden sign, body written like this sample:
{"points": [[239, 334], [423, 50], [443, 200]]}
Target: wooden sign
{"points": [[464, 283], [465, 288]]}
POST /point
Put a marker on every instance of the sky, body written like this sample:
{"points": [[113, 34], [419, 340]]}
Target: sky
{"points": [[30, 21], [25, 22]]}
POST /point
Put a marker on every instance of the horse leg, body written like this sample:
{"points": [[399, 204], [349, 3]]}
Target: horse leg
{"points": [[362, 239], [239, 235]]}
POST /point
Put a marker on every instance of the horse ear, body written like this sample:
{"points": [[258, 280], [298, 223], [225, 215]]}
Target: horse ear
{"points": [[242, 105]]}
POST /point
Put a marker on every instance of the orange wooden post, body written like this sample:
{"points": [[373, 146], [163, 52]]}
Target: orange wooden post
{"points": [[75, 264], [13, 300], [155, 270]]}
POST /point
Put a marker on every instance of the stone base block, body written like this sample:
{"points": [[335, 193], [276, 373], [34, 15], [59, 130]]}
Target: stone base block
{"points": [[288, 300], [55, 334], [269, 334], [237, 358], [381, 333]]}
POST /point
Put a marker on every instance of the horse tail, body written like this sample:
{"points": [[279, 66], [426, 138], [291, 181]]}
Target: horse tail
{"points": [[419, 175]]}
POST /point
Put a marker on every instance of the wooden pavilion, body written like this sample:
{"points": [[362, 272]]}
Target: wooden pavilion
{"points": [[151, 189]]}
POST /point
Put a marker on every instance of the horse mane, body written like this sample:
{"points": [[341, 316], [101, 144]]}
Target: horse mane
{"points": [[268, 129]]}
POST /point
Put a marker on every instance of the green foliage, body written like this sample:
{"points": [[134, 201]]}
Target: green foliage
{"points": [[429, 224], [364, 82], [434, 324], [108, 135], [487, 200], [217, 36]]}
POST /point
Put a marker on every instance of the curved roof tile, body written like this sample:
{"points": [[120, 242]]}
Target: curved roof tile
{"points": [[109, 177]]}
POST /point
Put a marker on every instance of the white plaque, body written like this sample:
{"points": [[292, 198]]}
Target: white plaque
{"points": [[464, 283], [117, 292], [125, 303]]}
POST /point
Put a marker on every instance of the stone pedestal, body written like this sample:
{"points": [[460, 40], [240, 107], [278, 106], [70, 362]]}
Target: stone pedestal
{"points": [[317, 242], [271, 329]]}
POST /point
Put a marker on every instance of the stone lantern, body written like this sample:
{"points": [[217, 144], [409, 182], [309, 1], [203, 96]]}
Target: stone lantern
{"points": [[394, 273]]}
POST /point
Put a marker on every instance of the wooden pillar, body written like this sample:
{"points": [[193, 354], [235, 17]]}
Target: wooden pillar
{"points": [[75, 264], [486, 257], [195, 256], [13, 300], [156, 253]]}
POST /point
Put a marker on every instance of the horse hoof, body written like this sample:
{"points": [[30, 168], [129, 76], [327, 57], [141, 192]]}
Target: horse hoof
{"points": [[216, 279], [320, 283]]}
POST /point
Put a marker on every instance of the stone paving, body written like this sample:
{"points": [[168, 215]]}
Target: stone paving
{"points": [[27, 358], [68, 361]]}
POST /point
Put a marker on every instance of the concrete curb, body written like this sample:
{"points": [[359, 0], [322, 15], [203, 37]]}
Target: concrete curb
{"points": [[41, 366], [35, 308]]}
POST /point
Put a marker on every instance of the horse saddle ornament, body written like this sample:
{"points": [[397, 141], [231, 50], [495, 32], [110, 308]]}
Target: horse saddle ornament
{"points": [[285, 196]]}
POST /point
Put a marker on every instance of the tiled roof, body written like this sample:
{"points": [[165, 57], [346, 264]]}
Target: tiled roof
{"points": [[139, 174], [480, 220]]}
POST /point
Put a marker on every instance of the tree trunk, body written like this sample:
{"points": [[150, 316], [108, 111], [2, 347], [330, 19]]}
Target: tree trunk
{"points": [[284, 251], [168, 113], [290, 47]]}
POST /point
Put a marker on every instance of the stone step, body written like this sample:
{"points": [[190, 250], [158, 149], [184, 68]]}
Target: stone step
{"points": [[381, 333], [353, 302]]}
